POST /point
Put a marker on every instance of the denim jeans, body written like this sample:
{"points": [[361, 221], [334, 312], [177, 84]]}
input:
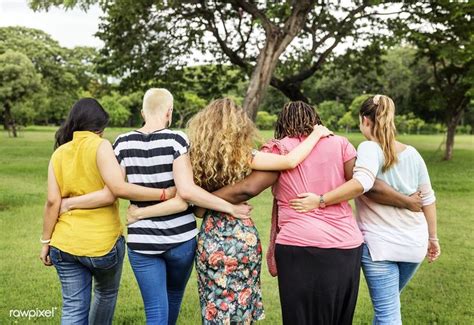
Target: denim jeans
{"points": [[76, 274], [162, 279], [386, 280]]}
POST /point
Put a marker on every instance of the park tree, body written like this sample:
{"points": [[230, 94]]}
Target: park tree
{"points": [[64, 72], [116, 106], [18, 81], [266, 120], [281, 44], [331, 112], [81, 61], [443, 33]]}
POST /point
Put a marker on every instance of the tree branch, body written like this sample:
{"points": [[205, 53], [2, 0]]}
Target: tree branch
{"points": [[231, 54], [252, 9], [350, 18]]}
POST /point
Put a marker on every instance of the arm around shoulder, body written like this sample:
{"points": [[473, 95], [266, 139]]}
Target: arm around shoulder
{"points": [[114, 177]]}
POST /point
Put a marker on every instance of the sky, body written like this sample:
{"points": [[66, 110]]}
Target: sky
{"points": [[70, 28]]}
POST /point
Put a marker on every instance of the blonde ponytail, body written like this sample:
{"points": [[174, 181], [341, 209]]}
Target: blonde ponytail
{"points": [[381, 110]]}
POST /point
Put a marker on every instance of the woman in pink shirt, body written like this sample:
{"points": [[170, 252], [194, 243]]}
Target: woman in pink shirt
{"points": [[318, 253]]}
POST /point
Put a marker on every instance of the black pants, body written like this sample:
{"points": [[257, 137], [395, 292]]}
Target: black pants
{"points": [[318, 286]]}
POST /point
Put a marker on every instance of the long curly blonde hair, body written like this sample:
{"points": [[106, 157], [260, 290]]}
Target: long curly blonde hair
{"points": [[222, 137]]}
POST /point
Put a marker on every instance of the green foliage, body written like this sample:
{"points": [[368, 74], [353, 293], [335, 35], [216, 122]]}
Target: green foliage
{"points": [[448, 46], [18, 77], [133, 103], [64, 72], [266, 120], [273, 101], [146, 40], [409, 123], [356, 104], [114, 105], [18, 82], [347, 122], [331, 112], [47, 57], [186, 106]]}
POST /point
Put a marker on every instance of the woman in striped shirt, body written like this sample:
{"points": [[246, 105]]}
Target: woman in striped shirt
{"points": [[396, 240]]}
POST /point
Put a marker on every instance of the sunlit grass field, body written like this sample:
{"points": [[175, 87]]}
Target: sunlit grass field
{"points": [[440, 293]]}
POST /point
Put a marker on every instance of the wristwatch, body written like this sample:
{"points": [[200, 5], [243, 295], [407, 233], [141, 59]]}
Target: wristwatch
{"points": [[322, 204]]}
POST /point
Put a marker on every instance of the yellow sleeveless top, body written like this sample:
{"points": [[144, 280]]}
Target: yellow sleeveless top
{"points": [[83, 232]]}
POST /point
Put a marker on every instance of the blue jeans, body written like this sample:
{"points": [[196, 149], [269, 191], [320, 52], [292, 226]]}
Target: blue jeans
{"points": [[162, 279], [76, 274], [386, 280]]}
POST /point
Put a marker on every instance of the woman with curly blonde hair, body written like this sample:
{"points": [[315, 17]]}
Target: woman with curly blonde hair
{"points": [[228, 257]]}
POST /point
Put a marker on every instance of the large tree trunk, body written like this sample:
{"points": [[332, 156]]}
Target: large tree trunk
{"points": [[452, 125], [263, 71], [261, 76], [8, 120], [277, 40], [5, 120]]}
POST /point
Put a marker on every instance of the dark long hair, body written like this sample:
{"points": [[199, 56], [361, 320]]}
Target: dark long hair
{"points": [[296, 119], [85, 115]]}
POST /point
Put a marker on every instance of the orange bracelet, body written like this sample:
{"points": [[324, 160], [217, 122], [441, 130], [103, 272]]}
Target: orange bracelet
{"points": [[163, 196]]}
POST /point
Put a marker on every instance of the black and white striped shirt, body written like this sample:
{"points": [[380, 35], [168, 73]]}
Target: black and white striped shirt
{"points": [[148, 161]]}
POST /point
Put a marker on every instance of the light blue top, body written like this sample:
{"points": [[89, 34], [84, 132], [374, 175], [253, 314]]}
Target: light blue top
{"points": [[407, 176], [393, 234]]}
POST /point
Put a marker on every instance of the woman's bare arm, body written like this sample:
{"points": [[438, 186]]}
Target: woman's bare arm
{"points": [[190, 192], [51, 213], [271, 161], [383, 193], [171, 206], [97, 199], [112, 175], [51, 209], [249, 187], [434, 249], [105, 197]]}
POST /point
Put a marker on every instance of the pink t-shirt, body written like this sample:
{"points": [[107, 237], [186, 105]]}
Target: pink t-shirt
{"points": [[321, 172]]}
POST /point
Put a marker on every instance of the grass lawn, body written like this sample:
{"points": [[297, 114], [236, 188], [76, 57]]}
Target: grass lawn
{"points": [[440, 293]]}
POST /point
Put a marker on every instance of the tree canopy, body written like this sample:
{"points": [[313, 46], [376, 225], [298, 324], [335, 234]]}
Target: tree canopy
{"points": [[18, 81]]}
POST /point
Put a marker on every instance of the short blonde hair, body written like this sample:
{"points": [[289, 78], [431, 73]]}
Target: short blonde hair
{"points": [[157, 100]]}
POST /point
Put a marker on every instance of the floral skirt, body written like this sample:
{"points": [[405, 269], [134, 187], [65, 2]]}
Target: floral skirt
{"points": [[228, 263]]}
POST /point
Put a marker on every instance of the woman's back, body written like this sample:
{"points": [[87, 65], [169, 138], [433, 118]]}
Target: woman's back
{"points": [[392, 232], [83, 232], [320, 172]]}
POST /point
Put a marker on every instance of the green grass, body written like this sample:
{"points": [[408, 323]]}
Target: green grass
{"points": [[440, 293]]}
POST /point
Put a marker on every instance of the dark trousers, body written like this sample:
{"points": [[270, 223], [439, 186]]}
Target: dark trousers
{"points": [[317, 285]]}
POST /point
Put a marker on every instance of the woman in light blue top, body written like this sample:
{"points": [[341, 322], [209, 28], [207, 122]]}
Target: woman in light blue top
{"points": [[396, 240]]}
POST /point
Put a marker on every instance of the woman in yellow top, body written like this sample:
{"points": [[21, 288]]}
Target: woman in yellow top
{"points": [[85, 244]]}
